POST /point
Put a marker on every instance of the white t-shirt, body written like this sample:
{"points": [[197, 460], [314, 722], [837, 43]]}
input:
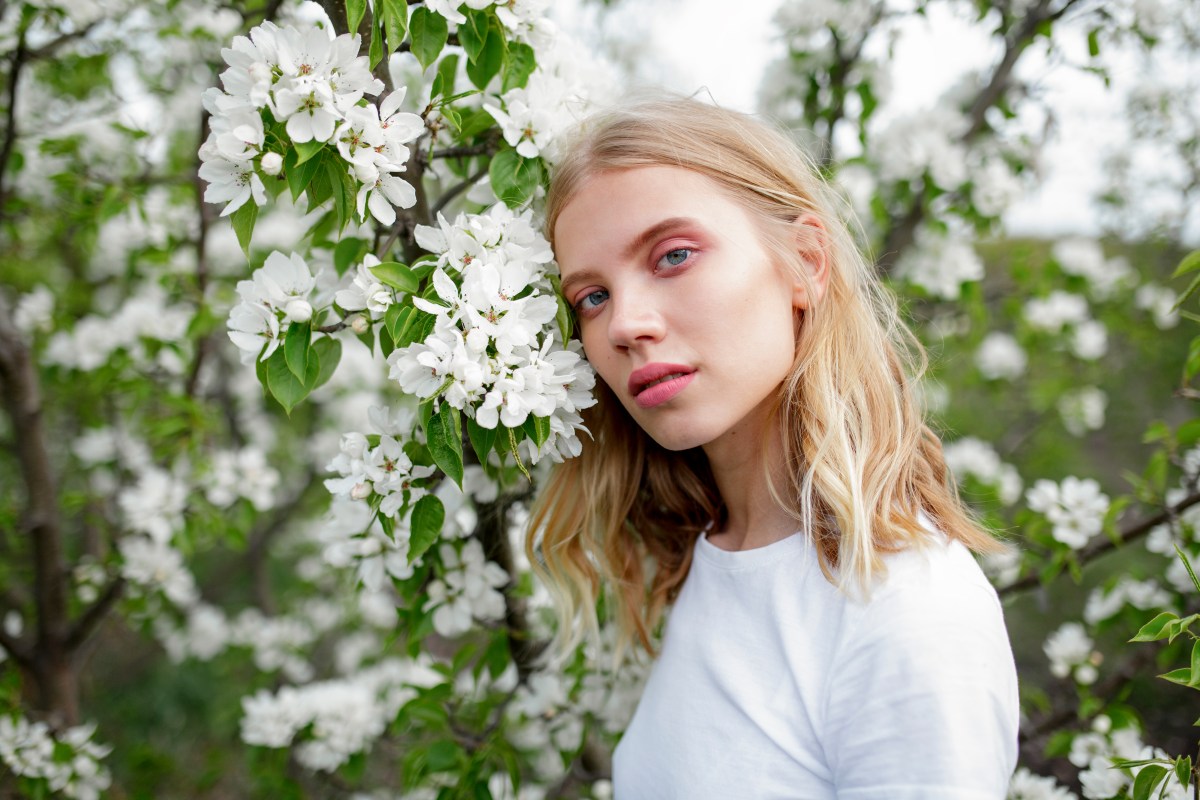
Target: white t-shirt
{"points": [[772, 684]]}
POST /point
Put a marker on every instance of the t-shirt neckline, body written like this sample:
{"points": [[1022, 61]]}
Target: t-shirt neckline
{"points": [[746, 559]]}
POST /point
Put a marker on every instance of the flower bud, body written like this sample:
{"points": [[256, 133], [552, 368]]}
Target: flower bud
{"points": [[359, 324], [272, 163], [298, 310], [361, 491]]}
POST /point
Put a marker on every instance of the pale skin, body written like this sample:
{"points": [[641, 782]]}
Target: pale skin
{"points": [[663, 267]]}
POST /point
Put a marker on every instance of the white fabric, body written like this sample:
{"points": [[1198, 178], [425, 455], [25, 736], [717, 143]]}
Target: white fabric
{"points": [[772, 684]]}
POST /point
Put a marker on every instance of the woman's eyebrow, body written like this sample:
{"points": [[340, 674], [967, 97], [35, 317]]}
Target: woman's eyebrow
{"points": [[635, 245]]}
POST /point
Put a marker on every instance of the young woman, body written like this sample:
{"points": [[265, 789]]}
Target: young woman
{"points": [[760, 465]]}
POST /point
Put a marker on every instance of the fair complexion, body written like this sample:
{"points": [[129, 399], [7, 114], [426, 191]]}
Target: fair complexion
{"points": [[687, 318]]}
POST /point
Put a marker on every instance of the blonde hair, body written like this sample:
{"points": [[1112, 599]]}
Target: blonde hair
{"points": [[862, 464]]}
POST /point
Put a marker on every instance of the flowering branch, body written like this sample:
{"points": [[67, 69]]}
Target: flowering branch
{"points": [[86, 624], [1100, 547], [22, 397], [10, 115]]}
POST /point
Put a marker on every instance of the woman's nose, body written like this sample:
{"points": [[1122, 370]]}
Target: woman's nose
{"points": [[634, 319]]}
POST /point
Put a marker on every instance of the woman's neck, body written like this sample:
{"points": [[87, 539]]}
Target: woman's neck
{"points": [[753, 518]]}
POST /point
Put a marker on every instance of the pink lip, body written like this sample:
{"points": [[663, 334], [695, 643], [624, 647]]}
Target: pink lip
{"points": [[648, 397]]}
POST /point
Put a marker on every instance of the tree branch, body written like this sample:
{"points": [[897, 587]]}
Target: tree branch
{"points": [[40, 518], [10, 115], [458, 189], [88, 622], [1099, 548]]}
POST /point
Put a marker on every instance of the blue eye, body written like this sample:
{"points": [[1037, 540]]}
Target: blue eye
{"points": [[674, 258], [591, 300]]}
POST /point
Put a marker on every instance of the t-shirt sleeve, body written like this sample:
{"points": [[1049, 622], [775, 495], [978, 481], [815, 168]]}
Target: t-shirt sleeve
{"points": [[922, 702]]}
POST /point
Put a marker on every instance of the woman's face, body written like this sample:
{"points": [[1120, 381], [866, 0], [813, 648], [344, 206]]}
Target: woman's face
{"points": [[681, 310]]}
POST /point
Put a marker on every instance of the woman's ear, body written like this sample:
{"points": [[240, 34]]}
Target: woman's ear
{"points": [[812, 243]]}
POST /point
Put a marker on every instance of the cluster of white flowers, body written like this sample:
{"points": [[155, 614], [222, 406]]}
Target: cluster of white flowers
{"points": [[1055, 311], [353, 536], [242, 473], [1094, 752], [928, 142], [366, 292], [278, 292], [157, 567], [468, 589], [34, 311], [1075, 508], [1082, 409], [384, 470], [314, 84], [940, 264], [1085, 258], [994, 187], [1160, 302], [544, 721], [494, 351], [282, 642], [1179, 531], [561, 91], [1024, 785], [978, 459], [852, 19], [148, 314], [1072, 652], [338, 717], [1000, 357], [30, 750], [1142, 595]]}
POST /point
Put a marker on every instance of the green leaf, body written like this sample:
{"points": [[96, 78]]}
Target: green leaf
{"points": [[482, 439], [375, 50], [328, 353], [1154, 629], [300, 176], [1194, 677], [243, 224], [295, 348], [444, 433], [1147, 780], [1190, 263], [1093, 40], [1183, 771], [497, 655], [482, 69], [538, 429], [307, 150], [564, 318], [355, 9], [286, 387], [429, 35], [348, 251], [447, 71], [395, 318], [1188, 434], [396, 275], [514, 179], [1192, 365], [1188, 566], [473, 34], [343, 205], [444, 756], [395, 21], [518, 66], [426, 524]]}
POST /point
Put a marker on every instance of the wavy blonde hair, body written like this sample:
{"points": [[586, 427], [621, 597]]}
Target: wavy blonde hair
{"points": [[862, 463]]}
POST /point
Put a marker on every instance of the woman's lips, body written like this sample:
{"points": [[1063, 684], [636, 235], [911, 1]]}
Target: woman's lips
{"points": [[655, 384]]}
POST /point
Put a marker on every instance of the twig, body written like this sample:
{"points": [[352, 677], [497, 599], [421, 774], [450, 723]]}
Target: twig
{"points": [[458, 189], [1099, 548], [91, 619], [10, 115]]}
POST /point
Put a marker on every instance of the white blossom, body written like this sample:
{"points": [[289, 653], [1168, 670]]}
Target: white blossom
{"points": [[467, 589], [34, 311], [1082, 409], [1000, 357], [1055, 311], [974, 457], [1025, 785], [1160, 302], [1085, 258], [1069, 649], [1075, 508], [941, 264]]}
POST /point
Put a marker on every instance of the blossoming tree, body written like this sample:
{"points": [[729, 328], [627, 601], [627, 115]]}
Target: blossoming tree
{"points": [[284, 361]]}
